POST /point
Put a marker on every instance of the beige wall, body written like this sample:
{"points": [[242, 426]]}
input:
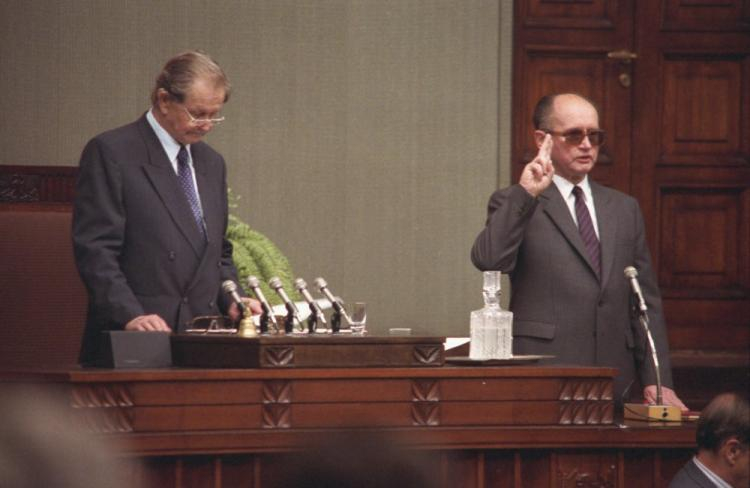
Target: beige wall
{"points": [[364, 136]]}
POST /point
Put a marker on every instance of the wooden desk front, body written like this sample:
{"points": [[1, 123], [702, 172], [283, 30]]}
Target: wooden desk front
{"points": [[498, 426]]}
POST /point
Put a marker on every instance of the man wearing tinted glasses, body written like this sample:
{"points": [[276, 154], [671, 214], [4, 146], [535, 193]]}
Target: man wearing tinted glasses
{"points": [[565, 241]]}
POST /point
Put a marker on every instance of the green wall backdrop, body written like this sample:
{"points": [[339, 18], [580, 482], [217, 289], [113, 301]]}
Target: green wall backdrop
{"points": [[364, 136]]}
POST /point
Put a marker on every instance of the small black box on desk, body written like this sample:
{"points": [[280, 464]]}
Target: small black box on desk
{"points": [[123, 349]]}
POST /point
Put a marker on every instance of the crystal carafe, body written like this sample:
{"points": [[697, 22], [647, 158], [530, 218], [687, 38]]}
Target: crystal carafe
{"points": [[491, 326]]}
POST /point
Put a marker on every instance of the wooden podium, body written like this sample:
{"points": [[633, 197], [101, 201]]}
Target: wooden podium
{"points": [[523, 426]]}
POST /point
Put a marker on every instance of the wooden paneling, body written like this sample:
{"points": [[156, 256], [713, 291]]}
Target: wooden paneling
{"points": [[691, 15], [194, 440], [47, 184], [702, 233], [583, 468], [704, 122], [574, 14]]}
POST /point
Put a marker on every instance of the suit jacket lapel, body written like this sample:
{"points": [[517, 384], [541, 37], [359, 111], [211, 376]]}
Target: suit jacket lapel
{"points": [[557, 210], [606, 219], [162, 176]]}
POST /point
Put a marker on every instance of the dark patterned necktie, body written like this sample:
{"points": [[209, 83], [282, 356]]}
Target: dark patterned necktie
{"points": [[186, 182], [586, 228]]}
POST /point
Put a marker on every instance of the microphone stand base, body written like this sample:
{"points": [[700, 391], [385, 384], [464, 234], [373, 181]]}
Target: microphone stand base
{"points": [[652, 413]]}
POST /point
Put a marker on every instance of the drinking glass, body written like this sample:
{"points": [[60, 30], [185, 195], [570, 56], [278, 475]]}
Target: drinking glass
{"points": [[358, 316]]}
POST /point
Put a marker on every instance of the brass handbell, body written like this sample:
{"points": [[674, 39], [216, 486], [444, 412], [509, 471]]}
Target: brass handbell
{"points": [[247, 327]]}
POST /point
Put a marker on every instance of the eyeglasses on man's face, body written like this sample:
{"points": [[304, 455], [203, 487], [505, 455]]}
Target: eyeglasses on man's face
{"points": [[196, 121], [576, 136]]}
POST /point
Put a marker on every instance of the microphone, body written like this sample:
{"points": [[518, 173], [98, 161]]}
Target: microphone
{"points": [[631, 274], [254, 285], [292, 317], [321, 285], [230, 288], [315, 310], [648, 412]]}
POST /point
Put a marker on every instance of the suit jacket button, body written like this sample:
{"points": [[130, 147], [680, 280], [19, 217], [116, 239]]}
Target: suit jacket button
{"points": [[172, 255], [185, 300], [218, 264], [211, 304]]}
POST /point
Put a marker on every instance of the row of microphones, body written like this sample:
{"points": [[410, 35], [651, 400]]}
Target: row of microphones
{"points": [[292, 321]]}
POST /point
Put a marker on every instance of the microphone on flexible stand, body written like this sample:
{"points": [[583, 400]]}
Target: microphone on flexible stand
{"points": [[267, 315], [230, 288], [636, 411], [316, 314], [338, 308], [632, 275], [292, 316]]}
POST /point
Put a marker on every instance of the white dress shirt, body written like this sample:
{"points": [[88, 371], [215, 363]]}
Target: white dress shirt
{"points": [[720, 483]]}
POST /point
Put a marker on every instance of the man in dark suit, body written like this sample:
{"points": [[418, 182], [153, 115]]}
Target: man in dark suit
{"points": [[565, 241], [150, 212], [723, 437]]}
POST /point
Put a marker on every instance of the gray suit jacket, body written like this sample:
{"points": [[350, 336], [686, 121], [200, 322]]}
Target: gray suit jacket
{"points": [[690, 476], [560, 306], [136, 243]]}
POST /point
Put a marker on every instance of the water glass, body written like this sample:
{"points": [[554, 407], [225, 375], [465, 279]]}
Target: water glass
{"points": [[358, 316]]}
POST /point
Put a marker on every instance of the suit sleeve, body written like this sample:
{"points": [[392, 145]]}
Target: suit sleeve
{"points": [[652, 296], [98, 237], [508, 212]]}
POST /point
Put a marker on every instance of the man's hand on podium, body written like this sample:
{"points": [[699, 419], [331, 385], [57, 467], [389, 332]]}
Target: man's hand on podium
{"points": [[251, 303], [669, 397], [148, 323]]}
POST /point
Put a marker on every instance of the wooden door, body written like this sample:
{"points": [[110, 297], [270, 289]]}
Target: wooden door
{"points": [[672, 81]]}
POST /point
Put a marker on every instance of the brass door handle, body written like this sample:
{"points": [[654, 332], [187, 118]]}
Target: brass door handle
{"points": [[622, 55]]}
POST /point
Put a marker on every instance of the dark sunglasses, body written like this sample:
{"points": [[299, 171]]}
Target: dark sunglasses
{"points": [[575, 136]]}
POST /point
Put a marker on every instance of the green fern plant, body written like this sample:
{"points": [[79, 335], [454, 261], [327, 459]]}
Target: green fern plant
{"points": [[255, 254]]}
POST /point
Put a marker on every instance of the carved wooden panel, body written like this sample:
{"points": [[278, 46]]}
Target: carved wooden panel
{"points": [[428, 355], [705, 15], [277, 391], [425, 413], [569, 14], [703, 119], [425, 390], [586, 413], [704, 244], [581, 390], [104, 408], [28, 184], [278, 356], [277, 416]]}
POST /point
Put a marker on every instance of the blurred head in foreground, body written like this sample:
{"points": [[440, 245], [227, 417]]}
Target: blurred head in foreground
{"points": [[41, 447]]}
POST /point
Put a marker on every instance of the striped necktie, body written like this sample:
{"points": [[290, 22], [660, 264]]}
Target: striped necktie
{"points": [[186, 182], [586, 228]]}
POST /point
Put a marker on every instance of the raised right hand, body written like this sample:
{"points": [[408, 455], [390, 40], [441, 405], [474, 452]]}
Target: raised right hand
{"points": [[537, 175], [148, 323]]}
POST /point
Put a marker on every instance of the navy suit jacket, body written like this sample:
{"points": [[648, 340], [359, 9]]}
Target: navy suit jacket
{"points": [[560, 306], [137, 246]]}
